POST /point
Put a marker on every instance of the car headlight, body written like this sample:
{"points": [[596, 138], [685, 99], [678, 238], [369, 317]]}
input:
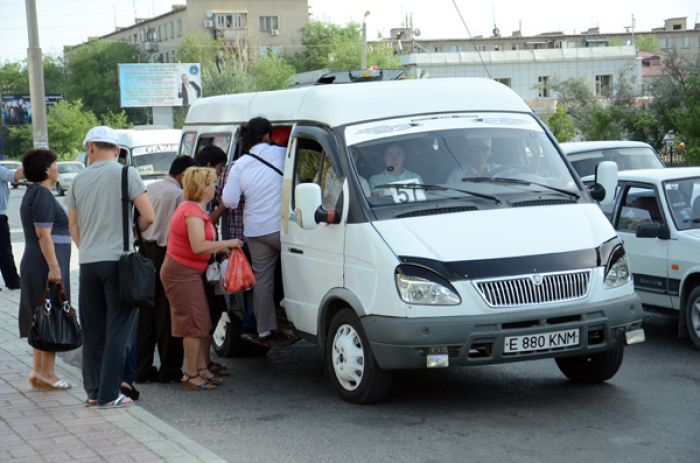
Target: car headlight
{"points": [[617, 272], [417, 285]]}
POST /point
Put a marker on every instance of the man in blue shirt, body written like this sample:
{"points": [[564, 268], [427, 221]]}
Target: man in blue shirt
{"points": [[7, 259]]}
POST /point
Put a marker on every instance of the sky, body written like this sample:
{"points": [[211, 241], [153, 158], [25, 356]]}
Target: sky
{"points": [[69, 22]]}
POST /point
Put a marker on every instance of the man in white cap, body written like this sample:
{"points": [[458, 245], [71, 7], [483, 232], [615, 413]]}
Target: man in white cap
{"points": [[95, 219]]}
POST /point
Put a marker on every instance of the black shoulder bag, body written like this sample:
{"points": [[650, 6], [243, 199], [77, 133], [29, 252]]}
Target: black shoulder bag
{"points": [[137, 275], [266, 163]]}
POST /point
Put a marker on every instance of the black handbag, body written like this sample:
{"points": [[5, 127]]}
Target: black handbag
{"points": [[137, 274], [55, 326]]}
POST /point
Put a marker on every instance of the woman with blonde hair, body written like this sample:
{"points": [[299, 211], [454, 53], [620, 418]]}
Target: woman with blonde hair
{"points": [[191, 242]]}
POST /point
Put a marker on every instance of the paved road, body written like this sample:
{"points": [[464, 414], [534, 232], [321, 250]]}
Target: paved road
{"points": [[281, 408]]}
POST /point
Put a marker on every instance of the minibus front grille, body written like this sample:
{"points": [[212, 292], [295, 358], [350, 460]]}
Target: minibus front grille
{"points": [[534, 289]]}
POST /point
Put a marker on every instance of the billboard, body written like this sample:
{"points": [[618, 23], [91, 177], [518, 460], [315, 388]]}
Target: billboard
{"points": [[17, 109], [159, 84]]}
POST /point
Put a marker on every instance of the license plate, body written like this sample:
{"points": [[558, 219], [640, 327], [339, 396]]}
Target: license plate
{"points": [[541, 341]]}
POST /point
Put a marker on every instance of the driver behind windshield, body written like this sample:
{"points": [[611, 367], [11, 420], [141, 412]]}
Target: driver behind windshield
{"points": [[473, 159], [394, 157]]}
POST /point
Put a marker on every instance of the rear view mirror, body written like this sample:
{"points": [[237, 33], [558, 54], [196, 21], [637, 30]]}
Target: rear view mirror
{"points": [[652, 230], [605, 178], [307, 199]]}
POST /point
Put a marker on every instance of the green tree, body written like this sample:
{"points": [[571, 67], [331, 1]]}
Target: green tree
{"points": [[647, 43], [67, 123], [230, 77], [329, 46], [118, 120], [93, 76], [13, 78], [198, 47], [271, 72], [562, 125]]}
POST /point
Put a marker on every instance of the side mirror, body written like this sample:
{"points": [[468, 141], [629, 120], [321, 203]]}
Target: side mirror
{"points": [[605, 179], [652, 230], [307, 199]]}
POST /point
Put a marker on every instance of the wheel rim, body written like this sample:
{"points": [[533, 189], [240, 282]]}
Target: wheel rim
{"points": [[695, 318], [348, 357], [219, 335]]}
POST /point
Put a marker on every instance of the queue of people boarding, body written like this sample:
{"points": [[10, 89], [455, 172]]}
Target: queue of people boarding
{"points": [[176, 218]]}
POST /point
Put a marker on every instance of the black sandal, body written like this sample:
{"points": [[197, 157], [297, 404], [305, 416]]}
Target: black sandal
{"points": [[189, 385], [215, 379], [130, 391]]}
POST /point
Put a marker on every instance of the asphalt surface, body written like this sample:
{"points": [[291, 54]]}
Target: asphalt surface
{"points": [[282, 408]]}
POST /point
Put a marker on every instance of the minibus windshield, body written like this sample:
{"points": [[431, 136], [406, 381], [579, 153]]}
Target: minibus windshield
{"points": [[154, 160], [456, 155]]}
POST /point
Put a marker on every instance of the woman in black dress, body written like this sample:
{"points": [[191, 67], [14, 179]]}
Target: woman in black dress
{"points": [[46, 254]]}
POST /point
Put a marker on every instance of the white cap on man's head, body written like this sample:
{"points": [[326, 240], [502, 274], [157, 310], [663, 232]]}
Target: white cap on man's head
{"points": [[101, 134]]}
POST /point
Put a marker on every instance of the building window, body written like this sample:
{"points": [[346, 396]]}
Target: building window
{"points": [[603, 85], [438, 50], [230, 21], [172, 30], [666, 43], [504, 80], [543, 86], [269, 24], [685, 42], [179, 27], [457, 48], [159, 37]]}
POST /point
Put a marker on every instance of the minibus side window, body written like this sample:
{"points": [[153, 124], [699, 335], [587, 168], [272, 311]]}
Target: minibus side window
{"points": [[187, 143], [222, 140], [312, 165], [123, 154]]}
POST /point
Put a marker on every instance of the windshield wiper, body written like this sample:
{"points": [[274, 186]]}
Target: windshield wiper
{"points": [[428, 187], [517, 181]]}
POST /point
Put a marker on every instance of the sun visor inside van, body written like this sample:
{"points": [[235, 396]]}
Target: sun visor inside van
{"points": [[280, 135]]}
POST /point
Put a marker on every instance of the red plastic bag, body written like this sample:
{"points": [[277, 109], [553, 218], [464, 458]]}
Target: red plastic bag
{"points": [[239, 275]]}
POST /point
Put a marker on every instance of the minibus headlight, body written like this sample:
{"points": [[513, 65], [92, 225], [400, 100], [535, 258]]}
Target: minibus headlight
{"points": [[417, 285], [617, 272]]}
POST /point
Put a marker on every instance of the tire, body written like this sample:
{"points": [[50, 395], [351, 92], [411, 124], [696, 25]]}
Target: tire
{"points": [[691, 312], [593, 368], [59, 189], [227, 341], [350, 364]]}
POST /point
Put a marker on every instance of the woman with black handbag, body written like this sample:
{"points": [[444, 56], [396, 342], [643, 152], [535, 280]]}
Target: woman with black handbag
{"points": [[46, 256]]}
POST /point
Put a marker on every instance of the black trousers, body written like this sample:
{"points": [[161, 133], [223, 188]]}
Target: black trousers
{"points": [[154, 330], [7, 259], [107, 327]]}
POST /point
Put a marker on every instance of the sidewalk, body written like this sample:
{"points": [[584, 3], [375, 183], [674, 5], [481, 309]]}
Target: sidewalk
{"points": [[55, 426]]}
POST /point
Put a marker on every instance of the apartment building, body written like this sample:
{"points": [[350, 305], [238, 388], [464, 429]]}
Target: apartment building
{"points": [[249, 27]]}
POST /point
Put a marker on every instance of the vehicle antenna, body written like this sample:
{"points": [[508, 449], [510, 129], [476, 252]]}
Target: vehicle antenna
{"points": [[481, 58]]}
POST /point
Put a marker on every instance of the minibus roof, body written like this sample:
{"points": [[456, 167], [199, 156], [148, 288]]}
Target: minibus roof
{"points": [[147, 136], [336, 105]]}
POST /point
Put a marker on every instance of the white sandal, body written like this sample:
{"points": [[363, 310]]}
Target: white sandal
{"points": [[119, 402], [61, 384]]}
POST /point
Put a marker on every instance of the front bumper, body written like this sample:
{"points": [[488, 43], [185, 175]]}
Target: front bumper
{"points": [[401, 343]]}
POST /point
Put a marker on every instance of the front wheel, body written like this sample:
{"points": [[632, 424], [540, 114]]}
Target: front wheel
{"points": [[350, 363], [692, 316], [592, 368]]}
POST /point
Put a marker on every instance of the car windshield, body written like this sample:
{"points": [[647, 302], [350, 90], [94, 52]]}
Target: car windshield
{"points": [[493, 157], [683, 197], [154, 160], [630, 158], [70, 168]]}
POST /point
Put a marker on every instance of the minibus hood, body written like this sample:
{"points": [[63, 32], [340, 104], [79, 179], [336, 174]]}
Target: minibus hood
{"points": [[497, 233]]}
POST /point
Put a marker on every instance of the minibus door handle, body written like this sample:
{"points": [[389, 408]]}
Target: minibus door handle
{"points": [[296, 251]]}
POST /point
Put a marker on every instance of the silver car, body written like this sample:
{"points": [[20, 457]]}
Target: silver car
{"points": [[628, 155], [67, 170]]}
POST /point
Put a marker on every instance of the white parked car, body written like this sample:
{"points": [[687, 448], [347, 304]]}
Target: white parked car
{"points": [[67, 170], [14, 165], [628, 155], [657, 215]]}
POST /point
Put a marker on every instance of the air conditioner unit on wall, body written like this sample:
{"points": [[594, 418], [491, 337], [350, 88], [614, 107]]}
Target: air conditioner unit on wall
{"points": [[209, 24], [274, 32]]}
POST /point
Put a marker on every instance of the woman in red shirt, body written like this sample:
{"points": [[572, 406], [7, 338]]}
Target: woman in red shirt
{"points": [[191, 242]]}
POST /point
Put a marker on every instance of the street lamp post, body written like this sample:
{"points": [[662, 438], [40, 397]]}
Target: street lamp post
{"points": [[36, 80], [364, 40]]}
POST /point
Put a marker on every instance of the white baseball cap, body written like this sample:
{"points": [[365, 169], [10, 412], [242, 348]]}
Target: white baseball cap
{"points": [[102, 134]]}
